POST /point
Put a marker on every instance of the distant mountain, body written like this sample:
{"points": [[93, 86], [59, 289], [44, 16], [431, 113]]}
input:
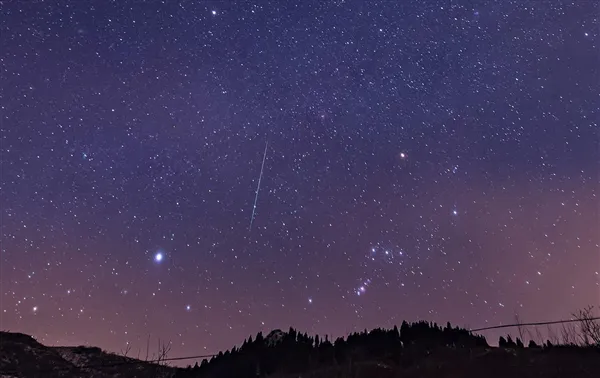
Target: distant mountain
{"points": [[414, 350]]}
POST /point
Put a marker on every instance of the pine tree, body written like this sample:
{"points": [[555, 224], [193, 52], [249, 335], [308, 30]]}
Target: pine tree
{"points": [[520, 343], [292, 334], [509, 342], [404, 332], [502, 342]]}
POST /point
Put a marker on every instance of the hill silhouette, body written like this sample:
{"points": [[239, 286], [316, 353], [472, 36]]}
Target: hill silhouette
{"points": [[22, 356], [418, 349], [293, 352]]}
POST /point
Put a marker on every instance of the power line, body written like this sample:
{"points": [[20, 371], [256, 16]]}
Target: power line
{"points": [[531, 324], [156, 361], [130, 361], [185, 358]]}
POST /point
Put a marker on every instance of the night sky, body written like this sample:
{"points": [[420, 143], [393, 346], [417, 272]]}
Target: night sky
{"points": [[431, 160]]}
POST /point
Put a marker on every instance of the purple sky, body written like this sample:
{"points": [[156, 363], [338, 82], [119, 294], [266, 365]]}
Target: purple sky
{"points": [[425, 160]]}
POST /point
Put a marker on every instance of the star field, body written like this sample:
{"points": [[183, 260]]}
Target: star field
{"points": [[429, 160]]}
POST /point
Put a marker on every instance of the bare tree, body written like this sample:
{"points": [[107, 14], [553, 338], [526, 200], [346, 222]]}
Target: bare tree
{"points": [[163, 352], [538, 336], [568, 333], [552, 337], [520, 327], [125, 351], [589, 326], [147, 348]]}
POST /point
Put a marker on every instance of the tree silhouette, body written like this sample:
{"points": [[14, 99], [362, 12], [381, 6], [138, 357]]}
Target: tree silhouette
{"points": [[520, 343], [509, 342], [296, 353]]}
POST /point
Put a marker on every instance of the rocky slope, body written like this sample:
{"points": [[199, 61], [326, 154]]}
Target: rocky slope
{"points": [[22, 356]]}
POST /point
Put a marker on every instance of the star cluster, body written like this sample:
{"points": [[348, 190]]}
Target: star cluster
{"points": [[422, 160]]}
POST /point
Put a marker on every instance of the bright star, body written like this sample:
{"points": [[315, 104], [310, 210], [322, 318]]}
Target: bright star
{"points": [[188, 307], [35, 308], [158, 257], [402, 155], [214, 12], [309, 300], [454, 212]]}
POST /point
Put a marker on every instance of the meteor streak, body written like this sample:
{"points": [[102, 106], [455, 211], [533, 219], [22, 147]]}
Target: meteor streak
{"points": [[258, 186]]}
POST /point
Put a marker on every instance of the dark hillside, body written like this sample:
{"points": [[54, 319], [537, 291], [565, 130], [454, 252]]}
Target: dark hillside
{"points": [[297, 353], [22, 356], [417, 350]]}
